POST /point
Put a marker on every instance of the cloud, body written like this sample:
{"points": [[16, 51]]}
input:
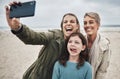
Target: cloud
{"points": [[108, 2], [50, 12]]}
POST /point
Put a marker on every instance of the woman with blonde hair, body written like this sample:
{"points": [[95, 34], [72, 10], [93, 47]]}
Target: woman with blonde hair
{"points": [[98, 45]]}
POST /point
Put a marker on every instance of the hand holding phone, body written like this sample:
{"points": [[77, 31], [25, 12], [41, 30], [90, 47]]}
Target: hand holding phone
{"points": [[25, 9]]}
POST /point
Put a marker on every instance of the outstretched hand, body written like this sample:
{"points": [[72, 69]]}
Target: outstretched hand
{"points": [[14, 23]]}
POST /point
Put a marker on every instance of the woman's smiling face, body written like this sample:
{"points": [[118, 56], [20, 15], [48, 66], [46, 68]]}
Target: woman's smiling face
{"points": [[69, 25], [90, 26]]}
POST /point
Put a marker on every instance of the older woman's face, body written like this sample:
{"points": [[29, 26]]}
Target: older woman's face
{"points": [[69, 25], [90, 26]]}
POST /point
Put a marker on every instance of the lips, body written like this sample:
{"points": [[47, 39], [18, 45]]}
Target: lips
{"points": [[68, 29], [88, 29], [73, 50]]}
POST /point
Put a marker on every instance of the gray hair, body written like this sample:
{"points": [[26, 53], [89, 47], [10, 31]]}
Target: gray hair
{"points": [[94, 16]]}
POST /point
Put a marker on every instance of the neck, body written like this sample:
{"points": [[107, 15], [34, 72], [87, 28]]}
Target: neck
{"points": [[91, 40], [73, 59]]}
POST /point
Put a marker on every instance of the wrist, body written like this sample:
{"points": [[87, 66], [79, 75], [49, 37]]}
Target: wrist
{"points": [[17, 28]]}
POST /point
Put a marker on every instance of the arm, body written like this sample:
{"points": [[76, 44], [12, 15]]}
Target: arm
{"points": [[102, 70], [56, 74], [24, 33], [89, 73], [29, 36], [13, 23]]}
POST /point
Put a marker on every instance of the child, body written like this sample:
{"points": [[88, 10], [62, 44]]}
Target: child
{"points": [[71, 63]]}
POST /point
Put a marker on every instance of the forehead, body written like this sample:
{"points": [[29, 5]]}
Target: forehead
{"points": [[87, 18], [76, 38], [69, 17]]}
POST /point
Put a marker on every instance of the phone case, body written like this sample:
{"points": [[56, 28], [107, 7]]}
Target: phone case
{"points": [[25, 9]]}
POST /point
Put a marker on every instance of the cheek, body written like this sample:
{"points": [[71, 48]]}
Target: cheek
{"points": [[76, 28], [63, 28], [68, 48], [80, 47], [85, 27], [95, 28]]}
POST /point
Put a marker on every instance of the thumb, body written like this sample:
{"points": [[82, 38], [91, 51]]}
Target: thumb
{"points": [[7, 15], [15, 23], [7, 12]]}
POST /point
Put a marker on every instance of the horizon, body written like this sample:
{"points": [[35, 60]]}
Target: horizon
{"points": [[50, 12], [103, 27]]}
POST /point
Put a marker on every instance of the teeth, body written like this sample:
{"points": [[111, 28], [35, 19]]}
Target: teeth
{"points": [[73, 49], [88, 29], [68, 29]]}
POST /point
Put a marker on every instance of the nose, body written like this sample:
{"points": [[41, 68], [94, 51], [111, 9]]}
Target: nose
{"points": [[72, 44], [68, 23], [87, 24]]}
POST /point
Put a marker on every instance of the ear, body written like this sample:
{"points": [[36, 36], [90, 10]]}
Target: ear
{"points": [[78, 30], [83, 47], [98, 26]]}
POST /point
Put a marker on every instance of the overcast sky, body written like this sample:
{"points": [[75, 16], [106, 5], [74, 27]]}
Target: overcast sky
{"points": [[50, 12]]}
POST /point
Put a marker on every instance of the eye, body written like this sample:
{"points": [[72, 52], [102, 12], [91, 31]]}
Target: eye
{"points": [[70, 41], [72, 21], [76, 42], [91, 22], [85, 22], [65, 21]]}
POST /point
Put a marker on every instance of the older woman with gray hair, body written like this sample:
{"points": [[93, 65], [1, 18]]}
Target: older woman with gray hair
{"points": [[99, 50]]}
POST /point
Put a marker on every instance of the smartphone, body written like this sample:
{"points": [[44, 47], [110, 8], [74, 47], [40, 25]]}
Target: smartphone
{"points": [[25, 9]]}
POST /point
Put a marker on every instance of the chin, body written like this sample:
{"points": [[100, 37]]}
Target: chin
{"points": [[89, 33], [67, 35]]}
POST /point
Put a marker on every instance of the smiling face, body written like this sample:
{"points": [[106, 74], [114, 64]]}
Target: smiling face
{"points": [[90, 26], [75, 46], [69, 25]]}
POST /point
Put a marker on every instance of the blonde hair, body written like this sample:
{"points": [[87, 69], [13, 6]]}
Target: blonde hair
{"points": [[94, 16]]}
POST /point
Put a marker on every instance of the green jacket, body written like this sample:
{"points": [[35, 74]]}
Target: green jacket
{"points": [[52, 42]]}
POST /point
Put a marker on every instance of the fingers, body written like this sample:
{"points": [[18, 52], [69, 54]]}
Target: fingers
{"points": [[12, 22], [7, 15], [16, 23], [7, 9], [13, 3]]}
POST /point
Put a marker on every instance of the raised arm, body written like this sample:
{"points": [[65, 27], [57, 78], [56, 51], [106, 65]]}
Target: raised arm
{"points": [[14, 23]]}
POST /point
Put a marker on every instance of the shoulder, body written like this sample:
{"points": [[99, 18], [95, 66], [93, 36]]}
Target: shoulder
{"points": [[87, 64], [56, 32], [104, 43], [104, 40], [57, 63]]}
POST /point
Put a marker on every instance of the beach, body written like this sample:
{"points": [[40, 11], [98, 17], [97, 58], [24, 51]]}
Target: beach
{"points": [[16, 57]]}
